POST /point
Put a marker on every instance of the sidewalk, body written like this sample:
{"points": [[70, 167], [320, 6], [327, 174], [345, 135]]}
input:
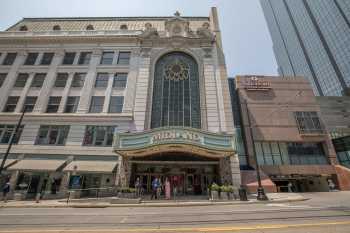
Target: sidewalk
{"points": [[104, 203]]}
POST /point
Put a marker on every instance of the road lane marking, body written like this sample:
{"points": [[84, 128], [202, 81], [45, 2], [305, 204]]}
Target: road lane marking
{"points": [[193, 229], [123, 220]]}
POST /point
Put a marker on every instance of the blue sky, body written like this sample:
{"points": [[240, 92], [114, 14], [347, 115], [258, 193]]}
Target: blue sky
{"points": [[247, 43]]}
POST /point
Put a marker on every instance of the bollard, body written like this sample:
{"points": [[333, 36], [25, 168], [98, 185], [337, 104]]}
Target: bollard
{"points": [[242, 194]]}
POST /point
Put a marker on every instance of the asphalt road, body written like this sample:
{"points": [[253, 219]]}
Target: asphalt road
{"points": [[324, 213]]}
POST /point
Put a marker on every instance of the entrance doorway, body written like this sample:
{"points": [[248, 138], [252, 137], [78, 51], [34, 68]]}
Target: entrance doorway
{"points": [[188, 179]]}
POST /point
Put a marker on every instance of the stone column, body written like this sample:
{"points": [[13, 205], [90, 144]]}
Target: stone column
{"points": [[13, 182], [66, 92], [124, 172], [108, 93], [235, 170], [49, 82], [11, 78], [64, 184], [24, 93], [89, 82]]}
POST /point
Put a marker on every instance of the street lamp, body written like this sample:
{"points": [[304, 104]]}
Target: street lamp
{"points": [[261, 192], [13, 136]]}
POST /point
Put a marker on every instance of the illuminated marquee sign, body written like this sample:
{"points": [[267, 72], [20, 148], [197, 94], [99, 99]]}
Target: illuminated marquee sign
{"points": [[176, 135], [256, 84]]}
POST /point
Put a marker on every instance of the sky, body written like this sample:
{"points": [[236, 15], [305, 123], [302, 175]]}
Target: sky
{"points": [[246, 40]]}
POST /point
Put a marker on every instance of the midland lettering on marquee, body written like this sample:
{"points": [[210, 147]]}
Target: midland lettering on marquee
{"points": [[176, 135]]}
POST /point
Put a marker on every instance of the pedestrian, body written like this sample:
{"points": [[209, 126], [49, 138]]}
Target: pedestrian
{"points": [[331, 185], [159, 188], [154, 188], [290, 187], [5, 190], [138, 186], [167, 188]]}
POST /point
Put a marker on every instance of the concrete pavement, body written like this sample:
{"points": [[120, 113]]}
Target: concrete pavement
{"points": [[103, 203], [322, 213]]}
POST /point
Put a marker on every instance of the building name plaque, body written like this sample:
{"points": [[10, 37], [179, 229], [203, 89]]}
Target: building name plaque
{"points": [[254, 83]]}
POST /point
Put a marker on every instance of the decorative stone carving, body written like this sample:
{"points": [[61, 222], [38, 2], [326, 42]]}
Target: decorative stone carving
{"points": [[149, 32], [177, 26], [145, 52], [207, 52], [205, 32]]}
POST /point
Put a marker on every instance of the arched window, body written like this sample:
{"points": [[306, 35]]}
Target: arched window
{"points": [[123, 27], [56, 28], [89, 27], [23, 28], [176, 97]]}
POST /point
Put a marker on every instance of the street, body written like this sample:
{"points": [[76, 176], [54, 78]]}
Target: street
{"points": [[324, 212]]}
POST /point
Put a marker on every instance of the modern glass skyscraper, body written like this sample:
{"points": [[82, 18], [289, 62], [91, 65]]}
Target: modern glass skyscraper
{"points": [[311, 38]]}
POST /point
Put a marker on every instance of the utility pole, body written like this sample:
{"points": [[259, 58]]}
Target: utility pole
{"points": [[13, 136]]}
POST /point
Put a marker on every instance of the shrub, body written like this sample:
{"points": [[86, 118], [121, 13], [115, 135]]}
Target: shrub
{"points": [[227, 188], [215, 187], [127, 190]]}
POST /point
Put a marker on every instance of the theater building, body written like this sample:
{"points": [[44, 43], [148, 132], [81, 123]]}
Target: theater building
{"points": [[282, 120], [111, 99]]}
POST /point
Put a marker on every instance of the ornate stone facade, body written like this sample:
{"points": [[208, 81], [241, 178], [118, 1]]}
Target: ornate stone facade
{"points": [[104, 48]]}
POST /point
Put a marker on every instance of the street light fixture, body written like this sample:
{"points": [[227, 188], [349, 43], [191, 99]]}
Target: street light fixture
{"points": [[261, 195]]}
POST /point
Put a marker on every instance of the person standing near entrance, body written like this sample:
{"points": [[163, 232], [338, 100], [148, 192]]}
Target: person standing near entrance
{"points": [[154, 188], [5, 190], [138, 187], [290, 187], [167, 189]]}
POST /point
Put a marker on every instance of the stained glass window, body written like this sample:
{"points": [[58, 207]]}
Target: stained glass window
{"points": [[176, 100]]}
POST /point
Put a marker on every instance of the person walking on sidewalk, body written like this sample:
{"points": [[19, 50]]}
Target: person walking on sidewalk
{"points": [[138, 187], [154, 188], [6, 190], [167, 189]]}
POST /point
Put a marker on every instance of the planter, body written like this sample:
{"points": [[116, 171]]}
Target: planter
{"points": [[19, 196], [224, 196], [127, 195], [214, 195]]}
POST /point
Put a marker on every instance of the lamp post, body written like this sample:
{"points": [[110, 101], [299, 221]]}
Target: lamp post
{"points": [[12, 138], [261, 192]]}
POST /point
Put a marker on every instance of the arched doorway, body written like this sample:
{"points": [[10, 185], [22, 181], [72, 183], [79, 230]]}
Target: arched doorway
{"points": [[176, 94]]}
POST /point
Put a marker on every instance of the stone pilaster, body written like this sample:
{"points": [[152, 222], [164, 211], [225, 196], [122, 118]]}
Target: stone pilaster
{"points": [[65, 92], [130, 90], [89, 82], [213, 120], [108, 93], [49, 82], [140, 109], [24, 93], [11, 78]]}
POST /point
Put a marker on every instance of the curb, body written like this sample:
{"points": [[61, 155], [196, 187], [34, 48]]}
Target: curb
{"points": [[176, 204]]}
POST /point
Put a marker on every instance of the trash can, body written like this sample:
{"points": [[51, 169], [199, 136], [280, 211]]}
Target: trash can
{"points": [[242, 194]]}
